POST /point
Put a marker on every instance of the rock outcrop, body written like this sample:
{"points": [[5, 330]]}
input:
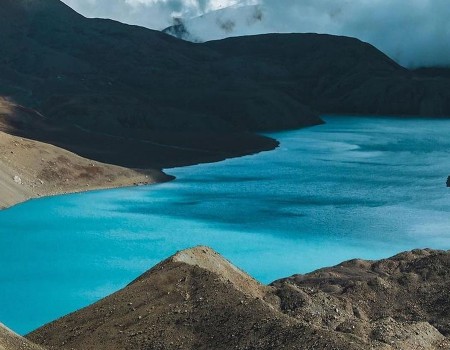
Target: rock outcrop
{"points": [[198, 300], [403, 301]]}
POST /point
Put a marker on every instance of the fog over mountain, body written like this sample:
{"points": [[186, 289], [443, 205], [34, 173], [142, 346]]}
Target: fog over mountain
{"points": [[414, 33], [154, 14]]}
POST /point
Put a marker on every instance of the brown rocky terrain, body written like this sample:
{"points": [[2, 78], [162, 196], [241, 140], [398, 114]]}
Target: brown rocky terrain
{"points": [[198, 300], [30, 169], [11, 341]]}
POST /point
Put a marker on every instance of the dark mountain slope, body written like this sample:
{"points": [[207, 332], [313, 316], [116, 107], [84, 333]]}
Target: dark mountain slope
{"points": [[146, 78], [99, 82], [109, 91], [335, 74], [198, 300]]}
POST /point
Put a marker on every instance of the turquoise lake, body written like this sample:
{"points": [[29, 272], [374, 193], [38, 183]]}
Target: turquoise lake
{"points": [[356, 187]]}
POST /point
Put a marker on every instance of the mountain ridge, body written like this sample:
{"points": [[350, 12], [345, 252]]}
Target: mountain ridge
{"points": [[117, 81], [197, 299]]}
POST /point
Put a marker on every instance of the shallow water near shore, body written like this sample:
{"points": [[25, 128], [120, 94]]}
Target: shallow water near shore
{"points": [[354, 188]]}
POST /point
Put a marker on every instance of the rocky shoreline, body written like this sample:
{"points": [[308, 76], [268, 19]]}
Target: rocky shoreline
{"points": [[31, 169]]}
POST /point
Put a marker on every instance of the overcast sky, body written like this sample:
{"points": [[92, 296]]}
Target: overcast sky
{"points": [[154, 14], [413, 32]]}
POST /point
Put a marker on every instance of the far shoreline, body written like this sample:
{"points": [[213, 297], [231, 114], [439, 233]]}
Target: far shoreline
{"points": [[141, 177], [129, 177]]}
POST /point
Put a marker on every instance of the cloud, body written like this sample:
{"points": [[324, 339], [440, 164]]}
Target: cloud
{"points": [[414, 32], [154, 14]]}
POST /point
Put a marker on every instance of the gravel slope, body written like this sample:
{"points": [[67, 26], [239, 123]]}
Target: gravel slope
{"points": [[198, 300], [11, 341]]}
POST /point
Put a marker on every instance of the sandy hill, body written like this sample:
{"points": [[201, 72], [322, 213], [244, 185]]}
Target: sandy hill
{"points": [[11, 341], [198, 300], [30, 169]]}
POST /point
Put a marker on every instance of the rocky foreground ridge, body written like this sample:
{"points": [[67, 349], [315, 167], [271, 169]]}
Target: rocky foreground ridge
{"points": [[11, 341], [198, 300]]}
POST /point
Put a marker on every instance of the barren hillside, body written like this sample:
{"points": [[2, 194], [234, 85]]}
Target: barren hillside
{"points": [[30, 169], [11, 341], [198, 300]]}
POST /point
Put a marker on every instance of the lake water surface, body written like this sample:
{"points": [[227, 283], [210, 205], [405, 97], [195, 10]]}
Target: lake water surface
{"points": [[355, 187]]}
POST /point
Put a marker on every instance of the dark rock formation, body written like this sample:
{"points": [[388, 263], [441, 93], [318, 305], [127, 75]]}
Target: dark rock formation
{"points": [[99, 84], [104, 87], [448, 181], [198, 300], [336, 74]]}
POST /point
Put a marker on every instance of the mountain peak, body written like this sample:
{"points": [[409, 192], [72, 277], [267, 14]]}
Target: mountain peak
{"points": [[207, 259], [174, 299], [192, 300], [16, 16], [31, 6], [11, 341]]}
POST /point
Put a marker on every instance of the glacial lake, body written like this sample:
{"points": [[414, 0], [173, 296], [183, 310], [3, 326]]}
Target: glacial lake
{"points": [[356, 187]]}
